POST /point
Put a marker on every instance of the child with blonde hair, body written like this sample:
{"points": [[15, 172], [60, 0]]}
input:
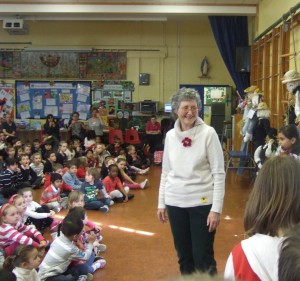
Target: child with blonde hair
{"points": [[272, 210], [38, 166], [24, 263], [40, 216], [14, 233], [31, 218]]}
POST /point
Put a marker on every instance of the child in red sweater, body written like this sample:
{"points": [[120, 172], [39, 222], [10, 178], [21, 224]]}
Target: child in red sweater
{"points": [[51, 194]]}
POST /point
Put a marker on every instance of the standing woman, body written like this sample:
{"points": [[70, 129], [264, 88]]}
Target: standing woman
{"points": [[76, 127], [192, 184], [95, 123], [51, 129]]}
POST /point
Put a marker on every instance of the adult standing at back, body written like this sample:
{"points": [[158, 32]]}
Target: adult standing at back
{"points": [[76, 127], [9, 129], [153, 133], [51, 129], [192, 184], [95, 123]]}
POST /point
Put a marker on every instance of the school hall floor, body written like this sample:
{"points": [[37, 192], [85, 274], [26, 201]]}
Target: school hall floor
{"points": [[139, 247]]}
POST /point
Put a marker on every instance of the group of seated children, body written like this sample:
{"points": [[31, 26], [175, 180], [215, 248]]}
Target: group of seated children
{"points": [[74, 253], [89, 180]]}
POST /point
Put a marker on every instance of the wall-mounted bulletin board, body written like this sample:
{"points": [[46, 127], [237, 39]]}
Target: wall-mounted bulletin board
{"points": [[113, 96], [7, 100], [113, 99], [37, 99]]}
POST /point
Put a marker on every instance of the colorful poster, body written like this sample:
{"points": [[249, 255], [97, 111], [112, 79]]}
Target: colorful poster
{"points": [[49, 64], [103, 65]]}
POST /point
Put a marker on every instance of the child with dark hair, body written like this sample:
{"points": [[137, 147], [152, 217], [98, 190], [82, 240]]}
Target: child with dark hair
{"points": [[70, 177], [24, 263], [51, 194], [57, 262], [10, 152], [46, 146], [61, 156], [114, 186], [90, 188], [36, 146], [289, 141], [50, 157], [30, 177], [10, 179], [91, 159], [272, 210], [89, 140], [90, 264]]}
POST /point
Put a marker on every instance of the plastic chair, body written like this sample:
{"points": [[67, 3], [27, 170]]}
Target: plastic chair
{"points": [[132, 137], [115, 133], [244, 158]]}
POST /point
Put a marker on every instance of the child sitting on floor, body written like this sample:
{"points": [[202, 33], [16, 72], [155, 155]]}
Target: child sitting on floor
{"points": [[38, 166], [29, 176], [41, 216], [90, 188], [76, 199], [126, 179], [70, 177], [57, 262], [51, 194], [24, 263], [14, 233], [114, 186]]}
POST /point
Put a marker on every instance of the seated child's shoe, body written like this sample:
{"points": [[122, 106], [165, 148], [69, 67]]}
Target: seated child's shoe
{"points": [[104, 209], [57, 209], [98, 258], [99, 264], [118, 200], [130, 196], [144, 184], [85, 277], [101, 248], [111, 202]]}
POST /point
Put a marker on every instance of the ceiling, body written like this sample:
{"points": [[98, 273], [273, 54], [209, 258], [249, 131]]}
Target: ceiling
{"points": [[124, 9]]}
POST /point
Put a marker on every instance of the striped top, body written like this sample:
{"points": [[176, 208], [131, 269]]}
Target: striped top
{"points": [[60, 255], [50, 194], [10, 179], [21, 233]]}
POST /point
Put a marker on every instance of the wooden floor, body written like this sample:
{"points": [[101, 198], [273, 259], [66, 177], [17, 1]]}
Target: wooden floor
{"points": [[139, 247]]}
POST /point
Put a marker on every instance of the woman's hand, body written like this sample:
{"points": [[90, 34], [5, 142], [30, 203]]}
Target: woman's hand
{"points": [[162, 215], [213, 221]]}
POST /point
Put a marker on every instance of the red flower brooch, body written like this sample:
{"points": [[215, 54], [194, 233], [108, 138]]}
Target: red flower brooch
{"points": [[186, 142]]}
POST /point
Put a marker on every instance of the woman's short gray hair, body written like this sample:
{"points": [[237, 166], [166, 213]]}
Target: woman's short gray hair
{"points": [[185, 94]]}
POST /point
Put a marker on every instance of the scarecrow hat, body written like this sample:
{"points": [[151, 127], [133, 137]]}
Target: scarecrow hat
{"points": [[290, 76]]}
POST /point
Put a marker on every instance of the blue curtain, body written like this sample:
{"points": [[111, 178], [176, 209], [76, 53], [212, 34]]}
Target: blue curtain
{"points": [[231, 32]]}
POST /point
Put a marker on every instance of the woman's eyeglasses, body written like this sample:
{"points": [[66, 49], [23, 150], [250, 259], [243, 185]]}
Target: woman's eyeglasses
{"points": [[187, 108]]}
